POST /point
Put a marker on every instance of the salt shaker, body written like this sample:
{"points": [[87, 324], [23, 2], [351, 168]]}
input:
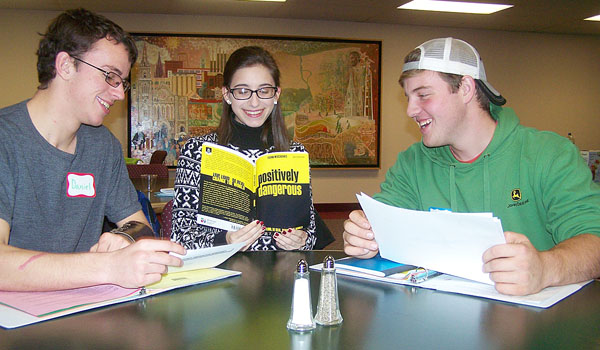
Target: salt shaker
{"points": [[328, 310], [301, 317]]}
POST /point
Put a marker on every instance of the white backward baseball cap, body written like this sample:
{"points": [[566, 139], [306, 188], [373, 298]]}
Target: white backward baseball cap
{"points": [[454, 56]]}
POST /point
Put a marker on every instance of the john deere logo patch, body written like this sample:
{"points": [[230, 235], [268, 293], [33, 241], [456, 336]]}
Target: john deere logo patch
{"points": [[515, 195], [517, 198]]}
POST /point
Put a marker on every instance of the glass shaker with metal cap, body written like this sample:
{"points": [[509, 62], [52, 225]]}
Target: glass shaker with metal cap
{"points": [[328, 309], [301, 317]]}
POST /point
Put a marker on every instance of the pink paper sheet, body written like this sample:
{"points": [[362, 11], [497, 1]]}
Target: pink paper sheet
{"points": [[43, 303]]}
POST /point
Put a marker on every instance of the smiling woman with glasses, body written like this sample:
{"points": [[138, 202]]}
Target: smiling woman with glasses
{"points": [[111, 78], [251, 123]]}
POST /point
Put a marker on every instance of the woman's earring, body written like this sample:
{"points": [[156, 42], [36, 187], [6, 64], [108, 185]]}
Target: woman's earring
{"points": [[275, 102], [228, 102]]}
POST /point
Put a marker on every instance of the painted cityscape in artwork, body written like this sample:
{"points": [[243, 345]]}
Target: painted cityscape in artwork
{"points": [[330, 94]]}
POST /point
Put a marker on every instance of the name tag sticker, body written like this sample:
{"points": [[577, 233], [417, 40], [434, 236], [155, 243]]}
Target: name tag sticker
{"points": [[81, 185]]}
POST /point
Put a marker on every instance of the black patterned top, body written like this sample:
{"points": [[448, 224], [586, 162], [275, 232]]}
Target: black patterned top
{"points": [[186, 202]]}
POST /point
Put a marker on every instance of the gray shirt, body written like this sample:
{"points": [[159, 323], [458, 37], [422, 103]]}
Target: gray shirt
{"points": [[55, 201]]}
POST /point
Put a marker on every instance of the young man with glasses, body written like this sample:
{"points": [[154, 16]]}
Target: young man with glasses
{"points": [[476, 157], [62, 172]]}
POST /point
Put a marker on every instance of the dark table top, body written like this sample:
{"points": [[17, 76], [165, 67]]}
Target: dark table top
{"points": [[251, 311]]}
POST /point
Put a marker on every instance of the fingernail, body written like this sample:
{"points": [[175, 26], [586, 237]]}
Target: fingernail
{"points": [[262, 223], [289, 230], [373, 246], [283, 232], [276, 235], [258, 222]]}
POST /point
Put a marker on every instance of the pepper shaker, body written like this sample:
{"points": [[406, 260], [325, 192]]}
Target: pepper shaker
{"points": [[328, 309]]}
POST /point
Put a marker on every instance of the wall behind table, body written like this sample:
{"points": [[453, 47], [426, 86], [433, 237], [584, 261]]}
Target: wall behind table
{"points": [[552, 81]]}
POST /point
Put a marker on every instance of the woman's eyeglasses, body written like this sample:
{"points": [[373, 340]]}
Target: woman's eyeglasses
{"points": [[245, 93]]}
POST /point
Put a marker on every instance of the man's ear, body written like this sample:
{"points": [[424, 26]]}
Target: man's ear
{"points": [[468, 88], [64, 65]]}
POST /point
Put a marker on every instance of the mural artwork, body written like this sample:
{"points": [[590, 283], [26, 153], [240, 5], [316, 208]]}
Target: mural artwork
{"points": [[330, 94]]}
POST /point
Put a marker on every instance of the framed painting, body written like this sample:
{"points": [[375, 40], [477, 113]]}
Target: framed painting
{"points": [[330, 94]]}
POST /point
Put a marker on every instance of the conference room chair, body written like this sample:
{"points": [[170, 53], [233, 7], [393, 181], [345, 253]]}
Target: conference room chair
{"points": [[166, 218], [151, 216], [158, 157], [137, 170], [322, 232]]}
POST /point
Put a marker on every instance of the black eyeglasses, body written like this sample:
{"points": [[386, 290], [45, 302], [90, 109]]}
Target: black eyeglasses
{"points": [[112, 78], [245, 93]]}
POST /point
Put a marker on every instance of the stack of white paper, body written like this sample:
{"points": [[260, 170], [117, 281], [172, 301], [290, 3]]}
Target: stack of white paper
{"points": [[452, 243]]}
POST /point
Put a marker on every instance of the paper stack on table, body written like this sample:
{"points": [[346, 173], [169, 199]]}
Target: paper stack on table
{"points": [[452, 243]]}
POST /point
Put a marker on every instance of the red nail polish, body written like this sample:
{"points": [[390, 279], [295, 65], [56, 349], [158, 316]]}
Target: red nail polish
{"points": [[276, 235], [289, 230], [283, 232], [258, 222]]}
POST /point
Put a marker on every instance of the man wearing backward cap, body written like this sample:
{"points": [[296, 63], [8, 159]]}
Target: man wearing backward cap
{"points": [[475, 157]]}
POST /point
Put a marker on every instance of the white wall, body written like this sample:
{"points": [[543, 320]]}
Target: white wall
{"points": [[552, 81]]}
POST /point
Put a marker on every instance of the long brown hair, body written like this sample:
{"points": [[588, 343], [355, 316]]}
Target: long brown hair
{"points": [[249, 56]]}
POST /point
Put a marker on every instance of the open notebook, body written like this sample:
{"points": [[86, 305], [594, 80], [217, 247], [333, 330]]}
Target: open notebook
{"points": [[23, 308], [375, 269]]}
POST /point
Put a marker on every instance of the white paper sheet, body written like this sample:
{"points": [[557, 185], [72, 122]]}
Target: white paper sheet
{"points": [[452, 243], [205, 257]]}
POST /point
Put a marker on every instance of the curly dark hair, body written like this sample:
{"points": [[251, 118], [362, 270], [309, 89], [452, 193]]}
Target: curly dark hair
{"points": [[74, 32], [249, 56]]}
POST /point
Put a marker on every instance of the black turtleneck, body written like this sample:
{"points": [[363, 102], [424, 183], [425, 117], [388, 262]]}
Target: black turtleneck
{"points": [[247, 137]]}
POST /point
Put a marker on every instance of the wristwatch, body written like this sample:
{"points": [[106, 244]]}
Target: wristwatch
{"points": [[133, 231]]}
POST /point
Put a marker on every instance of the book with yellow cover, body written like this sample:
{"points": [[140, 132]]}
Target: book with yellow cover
{"points": [[236, 191]]}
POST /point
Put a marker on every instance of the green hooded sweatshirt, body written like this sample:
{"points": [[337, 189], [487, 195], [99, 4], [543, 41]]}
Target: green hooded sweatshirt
{"points": [[535, 181]]}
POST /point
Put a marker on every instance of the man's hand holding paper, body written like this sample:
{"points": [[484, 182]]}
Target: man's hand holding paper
{"points": [[358, 237], [516, 267]]}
